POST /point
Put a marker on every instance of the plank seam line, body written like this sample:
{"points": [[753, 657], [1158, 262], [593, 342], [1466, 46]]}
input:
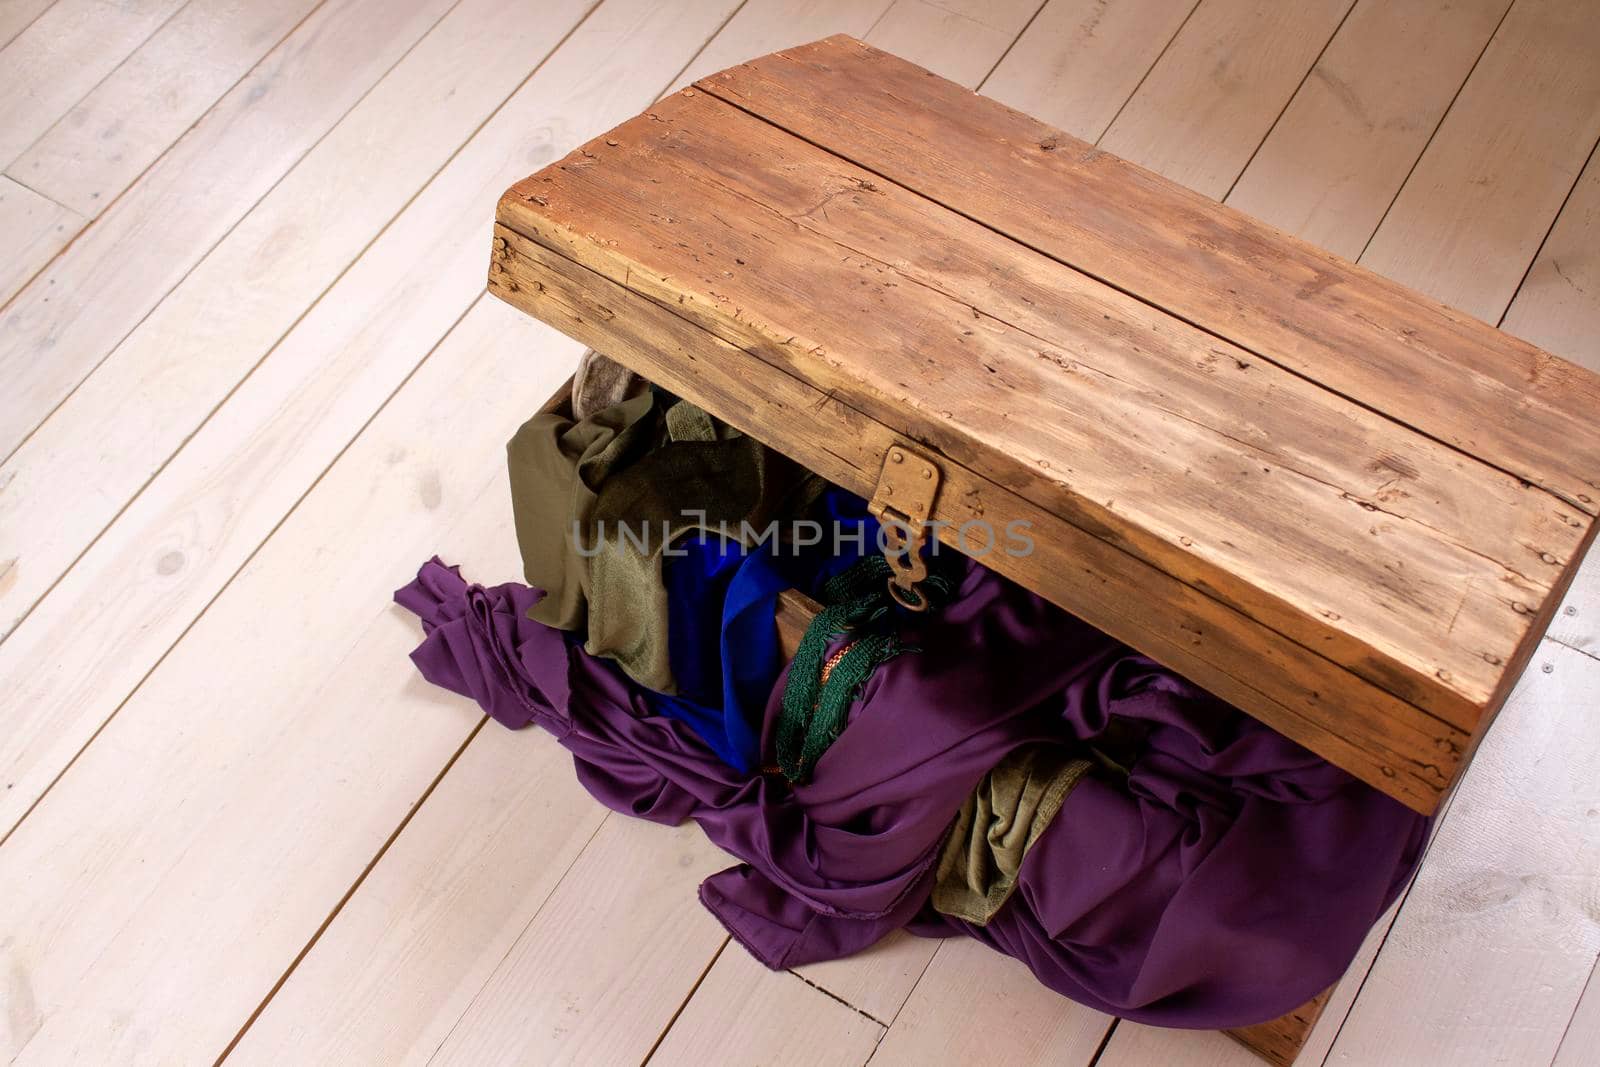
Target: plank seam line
{"points": [[283, 335], [1290, 715], [714, 91], [1026, 26], [148, 167], [109, 204], [834, 996], [226, 585], [1146, 75], [1334, 36], [1250, 448], [146, 39], [1437, 126], [1577, 180], [603, 820], [1399, 907], [379, 80], [28, 25], [698, 982], [1105, 1041], [511, 947], [887, 7], [877, 1043], [360, 880], [601, 824], [1588, 985], [42, 196], [1568, 644], [698, 52], [928, 963], [406, 820]]}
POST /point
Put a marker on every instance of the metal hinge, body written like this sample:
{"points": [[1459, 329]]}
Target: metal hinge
{"points": [[902, 503]]}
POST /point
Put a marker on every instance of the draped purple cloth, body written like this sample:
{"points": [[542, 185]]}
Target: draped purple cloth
{"points": [[1227, 880]]}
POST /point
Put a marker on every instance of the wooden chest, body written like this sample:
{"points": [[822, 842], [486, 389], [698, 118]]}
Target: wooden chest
{"points": [[1341, 506]]}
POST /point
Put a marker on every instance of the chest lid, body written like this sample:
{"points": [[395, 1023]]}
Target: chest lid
{"points": [[1330, 500]]}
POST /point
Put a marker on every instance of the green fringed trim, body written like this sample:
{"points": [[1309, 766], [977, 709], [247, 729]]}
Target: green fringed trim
{"points": [[817, 696]]}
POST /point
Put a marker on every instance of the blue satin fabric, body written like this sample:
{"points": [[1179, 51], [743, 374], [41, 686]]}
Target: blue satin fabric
{"points": [[722, 641]]}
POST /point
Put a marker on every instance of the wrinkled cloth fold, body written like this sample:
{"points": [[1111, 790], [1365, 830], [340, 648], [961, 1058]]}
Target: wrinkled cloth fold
{"points": [[721, 599], [601, 382], [1227, 880], [997, 824], [597, 501]]}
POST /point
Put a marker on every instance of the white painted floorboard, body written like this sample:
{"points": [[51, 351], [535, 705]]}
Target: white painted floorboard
{"points": [[249, 381]]}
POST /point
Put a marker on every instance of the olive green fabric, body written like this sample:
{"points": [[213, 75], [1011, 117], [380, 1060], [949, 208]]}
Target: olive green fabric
{"points": [[557, 467], [629, 480], [996, 826]]}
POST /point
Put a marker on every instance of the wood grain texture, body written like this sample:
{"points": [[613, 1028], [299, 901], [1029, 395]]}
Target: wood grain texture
{"points": [[1481, 199], [1577, 622], [1582, 1035], [565, 995], [1517, 866], [1050, 383], [960, 39], [960, 42], [763, 25], [97, 149], [744, 1013], [1342, 149], [1280, 1040], [58, 329], [33, 229], [794, 613], [1389, 743], [1209, 101], [246, 467], [391, 976], [878, 980], [1322, 1035], [974, 1005], [61, 55], [1557, 307], [18, 15], [416, 944], [222, 814], [1511, 405], [1080, 60], [1132, 1045], [233, 308], [419, 936]]}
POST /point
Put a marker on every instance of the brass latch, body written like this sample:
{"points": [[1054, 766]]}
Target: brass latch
{"points": [[903, 504]]}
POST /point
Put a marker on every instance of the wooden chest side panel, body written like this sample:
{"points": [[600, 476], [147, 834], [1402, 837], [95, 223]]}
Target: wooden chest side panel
{"points": [[1385, 346], [1391, 744], [1228, 472]]}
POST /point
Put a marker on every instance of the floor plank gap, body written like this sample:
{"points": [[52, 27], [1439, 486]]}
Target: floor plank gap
{"points": [[1434, 132], [343, 900], [693, 989]]}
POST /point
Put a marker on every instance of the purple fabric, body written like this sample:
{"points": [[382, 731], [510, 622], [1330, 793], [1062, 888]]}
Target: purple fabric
{"points": [[1229, 879]]}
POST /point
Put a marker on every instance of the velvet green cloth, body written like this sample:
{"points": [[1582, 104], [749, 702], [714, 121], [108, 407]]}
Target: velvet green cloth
{"points": [[997, 824], [629, 480]]}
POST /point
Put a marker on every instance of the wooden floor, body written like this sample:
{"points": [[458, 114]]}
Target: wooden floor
{"points": [[249, 381]]}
